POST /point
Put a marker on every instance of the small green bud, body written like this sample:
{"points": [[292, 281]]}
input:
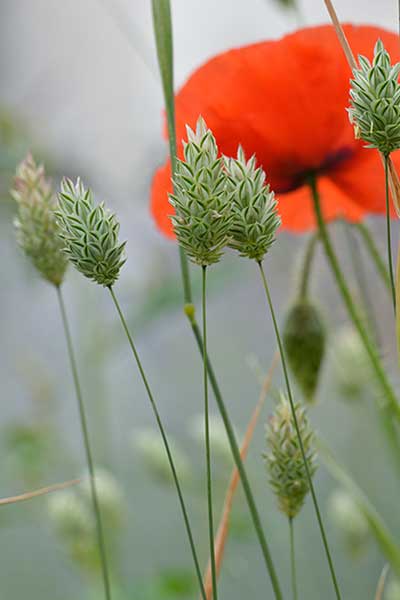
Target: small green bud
{"points": [[201, 221], [190, 311], [151, 449], [90, 234], [375, 101], [284, 461], [253, 207], [346, 515], [36, 226], [304, 342]]}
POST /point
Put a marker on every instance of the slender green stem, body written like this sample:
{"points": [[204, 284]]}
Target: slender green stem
{"points": [[388, 232], [384, 413], [239, 465], [165, 441], [369, 345], [293, 559], [207, 440], [296, 424], [360, 276], [306, 266], [89, 458], [164, 42], [374, 253]]}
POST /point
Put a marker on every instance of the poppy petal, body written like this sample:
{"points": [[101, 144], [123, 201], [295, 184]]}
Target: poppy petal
{"points": [[297, 210], [285, 101]]}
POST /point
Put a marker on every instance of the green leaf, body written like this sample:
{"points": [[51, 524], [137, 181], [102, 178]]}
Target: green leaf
{"points": [[164, 43]]}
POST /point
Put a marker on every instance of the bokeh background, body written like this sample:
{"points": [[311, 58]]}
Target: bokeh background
{"points": [[79, 86]]}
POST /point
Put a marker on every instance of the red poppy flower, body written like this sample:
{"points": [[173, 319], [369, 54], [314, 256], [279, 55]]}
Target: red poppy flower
{"points": [[285, 101]]}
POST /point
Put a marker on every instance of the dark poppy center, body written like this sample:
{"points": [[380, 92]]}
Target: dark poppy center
{"points": [[330, 162]]}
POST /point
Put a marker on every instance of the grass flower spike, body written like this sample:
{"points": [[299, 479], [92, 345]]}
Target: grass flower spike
{"points": [[36, 225], [90, 234], [253, 205], [375, 101], [201, 222], [284, 461]]}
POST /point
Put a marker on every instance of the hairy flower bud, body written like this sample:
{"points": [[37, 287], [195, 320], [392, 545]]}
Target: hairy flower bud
{"points": [[375, 101], [36, 226], [284, 461], [253, 206], [201, 221], [90, 234], [304, 342]]}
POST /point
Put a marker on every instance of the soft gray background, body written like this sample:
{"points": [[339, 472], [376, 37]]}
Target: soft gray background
{"points": [[82, 78]]}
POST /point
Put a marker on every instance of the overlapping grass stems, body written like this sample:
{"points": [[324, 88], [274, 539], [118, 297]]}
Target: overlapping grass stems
{"points": [[218, 202], [163, 36], [90, 235], [38, 234], [254, 237], [202, 223]]}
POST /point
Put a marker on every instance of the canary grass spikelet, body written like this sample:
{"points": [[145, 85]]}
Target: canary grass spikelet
{"points": [[253, 207], [202, 220], [375, 101], [36, 226], [90, 234], [284, 462]]}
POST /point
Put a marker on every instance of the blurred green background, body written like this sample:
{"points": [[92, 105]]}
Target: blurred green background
{"points": [[79, 87]]}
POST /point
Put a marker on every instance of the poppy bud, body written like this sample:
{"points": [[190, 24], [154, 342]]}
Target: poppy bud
{"points": [[201, 221], [284, 462], [36, 226], [90, 234], [375, 101], [304, 343], [253, 206]]}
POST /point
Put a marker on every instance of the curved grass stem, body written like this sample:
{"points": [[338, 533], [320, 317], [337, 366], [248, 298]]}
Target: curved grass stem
{"points": [[239, 465], [374, 253], [207, 441], [165, 441], [356, 318], [88, 451], [296, 424], [164, 42]]}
